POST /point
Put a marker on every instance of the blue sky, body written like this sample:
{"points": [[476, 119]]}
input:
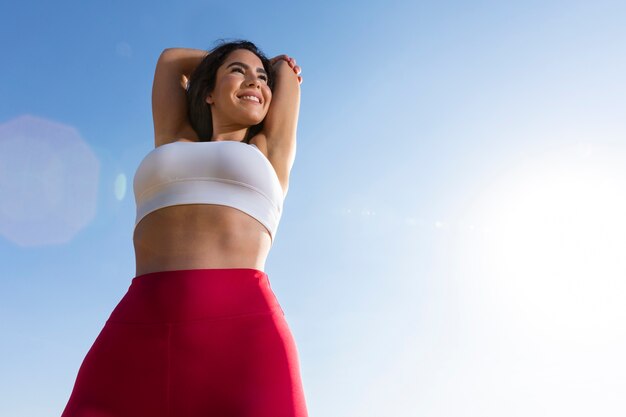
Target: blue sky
{"points": [[453, 238]]}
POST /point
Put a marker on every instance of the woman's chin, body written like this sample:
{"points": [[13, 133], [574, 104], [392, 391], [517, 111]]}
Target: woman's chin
{"points": [[252, 120]]}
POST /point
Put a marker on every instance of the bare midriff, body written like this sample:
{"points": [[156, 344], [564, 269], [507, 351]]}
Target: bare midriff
{"points": [[199, 236]]}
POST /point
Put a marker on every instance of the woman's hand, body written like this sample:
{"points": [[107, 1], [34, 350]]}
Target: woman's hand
{"points": [[291, 62]]}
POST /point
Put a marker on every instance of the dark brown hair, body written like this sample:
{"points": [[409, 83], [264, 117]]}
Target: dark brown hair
{"points": [[202, 82]]}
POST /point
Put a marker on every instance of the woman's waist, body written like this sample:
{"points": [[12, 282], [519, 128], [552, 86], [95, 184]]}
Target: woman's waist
{"points": [[169, 253], [190, 242], [215, 250]]}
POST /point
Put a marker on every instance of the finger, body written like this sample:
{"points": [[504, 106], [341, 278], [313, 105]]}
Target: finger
{"points": [[297, 69], [278, 58], [287, 60]]}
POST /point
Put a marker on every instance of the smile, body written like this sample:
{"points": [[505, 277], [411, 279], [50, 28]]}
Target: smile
{"points": [[250, 98]]}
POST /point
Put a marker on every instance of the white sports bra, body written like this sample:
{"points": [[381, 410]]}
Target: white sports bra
{"points": [[226, 172]]}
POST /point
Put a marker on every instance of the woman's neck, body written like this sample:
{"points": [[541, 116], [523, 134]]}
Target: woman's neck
{"points": [[229, 133]]}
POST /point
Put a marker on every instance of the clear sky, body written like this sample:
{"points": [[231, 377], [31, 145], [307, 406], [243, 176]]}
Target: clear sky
{"points": [[453, 239]]}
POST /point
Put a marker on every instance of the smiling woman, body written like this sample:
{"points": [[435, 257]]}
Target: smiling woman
{"points": [[200, 331], [215, 79]]}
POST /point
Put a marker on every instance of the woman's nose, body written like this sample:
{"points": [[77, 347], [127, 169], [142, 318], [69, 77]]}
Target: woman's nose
{"points": [[254, 81]]}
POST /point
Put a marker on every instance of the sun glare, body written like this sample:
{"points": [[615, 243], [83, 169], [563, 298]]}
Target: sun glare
{"points": [[555, 242]]}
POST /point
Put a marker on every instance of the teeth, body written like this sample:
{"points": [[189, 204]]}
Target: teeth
{"points": [[251, 98]]}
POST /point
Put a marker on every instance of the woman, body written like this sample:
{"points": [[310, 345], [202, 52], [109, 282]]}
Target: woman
{"points": [[200, 332]]}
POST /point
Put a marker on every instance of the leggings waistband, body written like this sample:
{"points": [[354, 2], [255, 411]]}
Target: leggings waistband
{"points": [[195, 294]]}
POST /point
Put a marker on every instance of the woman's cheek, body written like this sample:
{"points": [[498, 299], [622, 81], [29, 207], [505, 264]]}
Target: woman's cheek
{"points": [[268, 101]]}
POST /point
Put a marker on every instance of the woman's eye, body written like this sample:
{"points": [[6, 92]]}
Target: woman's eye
{"points": [[239, 69]]}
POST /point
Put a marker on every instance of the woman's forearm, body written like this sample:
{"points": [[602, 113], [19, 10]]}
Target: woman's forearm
{"points": [[185, 60]]}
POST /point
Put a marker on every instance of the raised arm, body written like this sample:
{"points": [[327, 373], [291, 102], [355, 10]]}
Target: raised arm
{"points": [[281, 123], [169, 100]]}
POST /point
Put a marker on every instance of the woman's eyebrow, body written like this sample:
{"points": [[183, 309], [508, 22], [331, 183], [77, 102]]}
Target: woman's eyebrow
{"points": [[261, 70]]}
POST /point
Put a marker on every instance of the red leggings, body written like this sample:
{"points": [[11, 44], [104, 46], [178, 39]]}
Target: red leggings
{"points": [[192, 343]]}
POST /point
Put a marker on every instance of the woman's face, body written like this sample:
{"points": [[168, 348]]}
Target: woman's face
{"points": [[241, 94]]}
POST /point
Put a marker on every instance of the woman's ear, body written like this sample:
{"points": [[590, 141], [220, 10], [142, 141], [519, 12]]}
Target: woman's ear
{"points": [[208, 99]]}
